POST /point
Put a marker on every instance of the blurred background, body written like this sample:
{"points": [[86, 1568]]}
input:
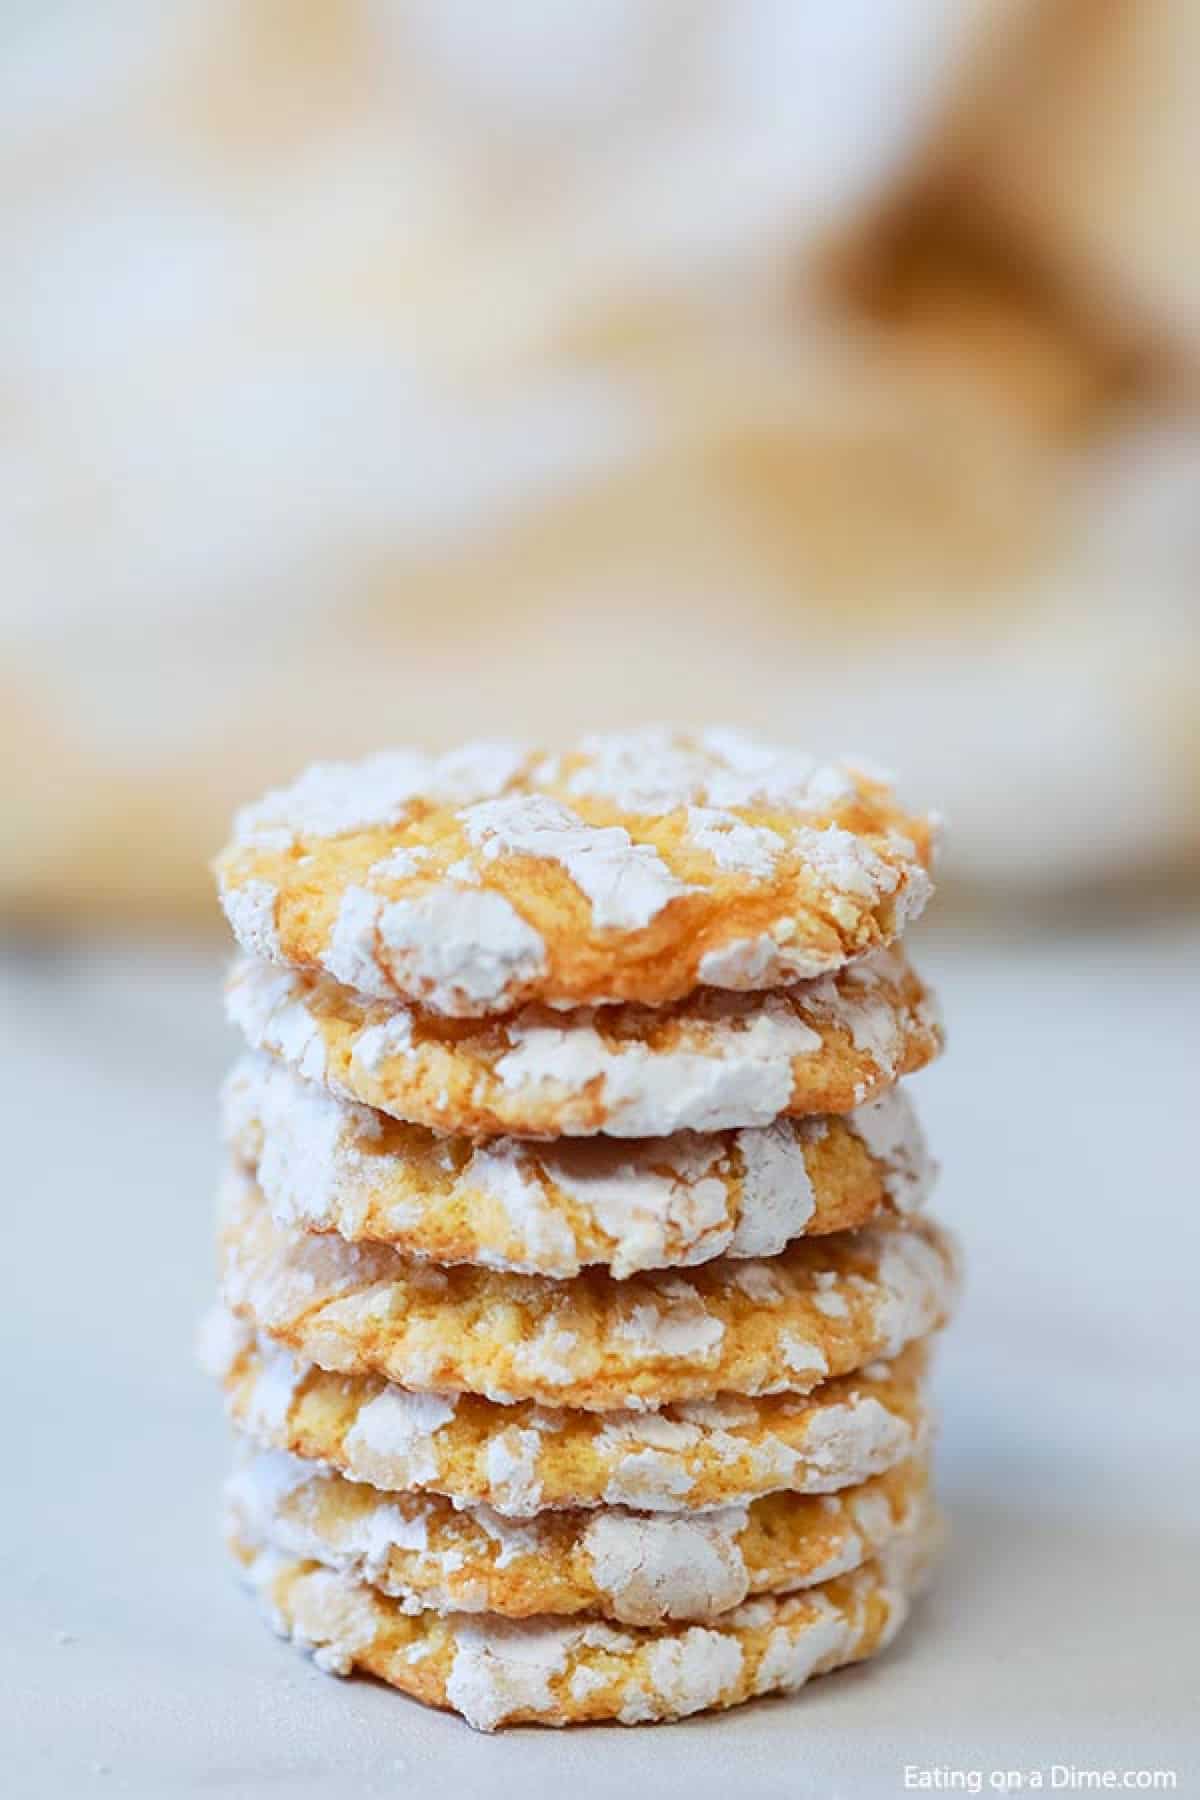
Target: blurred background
{"points": [[378, 370], [388, 370]]}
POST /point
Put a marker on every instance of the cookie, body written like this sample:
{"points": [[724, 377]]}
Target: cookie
{"points": [[550, 1671], [328, 1165], [822, 1308], [634, 867], [715, 1062], [519, 1460], [636, 1568]]}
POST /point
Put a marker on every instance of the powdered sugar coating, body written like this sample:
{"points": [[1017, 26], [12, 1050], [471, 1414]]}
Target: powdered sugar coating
{"points": [[499, 1671], [747, 965], [396, 1429], [748, 1327], [777, 1192], [669, 1567], [627, 884], [634, 867], [732, 843], [501, 1172], [634, 1568], [698, 1455], [512, 1471], [333, 798], [888, 1127], [712, 1063], [328, 1165], [271, 1012], [459, 949], [648, 1096], [469, 916], [251, 912], [655, 771]]}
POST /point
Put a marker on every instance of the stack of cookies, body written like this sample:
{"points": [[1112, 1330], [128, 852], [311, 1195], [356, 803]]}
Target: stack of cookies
{"points": [[577, 1298]]}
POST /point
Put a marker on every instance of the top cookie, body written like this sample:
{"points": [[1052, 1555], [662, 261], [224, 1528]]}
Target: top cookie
{"points": [[635, 867]]}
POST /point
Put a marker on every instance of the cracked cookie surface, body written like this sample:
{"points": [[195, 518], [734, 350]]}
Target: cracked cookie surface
{"points": [[636, 1568], [519, 1460], [329, 1165], [633, 867], [824, 1307], [714, 1062], [551, 1671]]}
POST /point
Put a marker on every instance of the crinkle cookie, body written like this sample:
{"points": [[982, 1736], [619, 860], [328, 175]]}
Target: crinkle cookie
{"points": [[325, 1164], [823, 1307], [715, 1062], [638, 1568], [636, 867], [550, 1671], [524, 1458], [518, 1460]]}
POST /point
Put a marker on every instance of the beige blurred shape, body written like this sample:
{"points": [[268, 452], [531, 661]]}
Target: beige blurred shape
{"points": [[1081, 128], [386, 372]]}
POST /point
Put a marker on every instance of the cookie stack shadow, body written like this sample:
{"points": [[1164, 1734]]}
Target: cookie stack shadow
{"points": [[577, 1288]]}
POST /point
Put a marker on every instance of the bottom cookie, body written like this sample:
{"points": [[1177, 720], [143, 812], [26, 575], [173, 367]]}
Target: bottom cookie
{"points": [[553, 1672]]}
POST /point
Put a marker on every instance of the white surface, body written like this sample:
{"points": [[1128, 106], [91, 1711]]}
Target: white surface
{"points": [[1063, 1626]]}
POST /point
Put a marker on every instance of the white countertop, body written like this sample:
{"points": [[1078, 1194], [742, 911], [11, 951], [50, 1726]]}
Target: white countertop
{"points": [[1063, 1625]]}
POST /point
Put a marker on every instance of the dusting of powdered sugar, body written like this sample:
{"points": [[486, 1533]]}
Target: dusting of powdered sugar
{"points": [[273, 1393], [755, 773], [266, 1007], [378, 1044], [777, 1198], [742, 1077], [333, 1617], [506, 1666], [792, 1655], [399, 864], [859, 1005], [648, 1454], [912, 898], [844, 862], [659, 1201], [358, 1540], [391, 1440], [307, 1165], [553, 1356], [650, 1569], [873, 1517], [736, 847], [250, 910], [627, 884], [501, 1170], [514, 1483], [331, 799], [690, 1670], [513, 1539], [262, 1482], [748, 964], [652, 1198], [802, 1358], [914, 1282], [222, 1339], [675, 1323], [852, 1440], [732, 1064], [457, 949], [651, 1456], [654, 771], [889, 1128]]}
